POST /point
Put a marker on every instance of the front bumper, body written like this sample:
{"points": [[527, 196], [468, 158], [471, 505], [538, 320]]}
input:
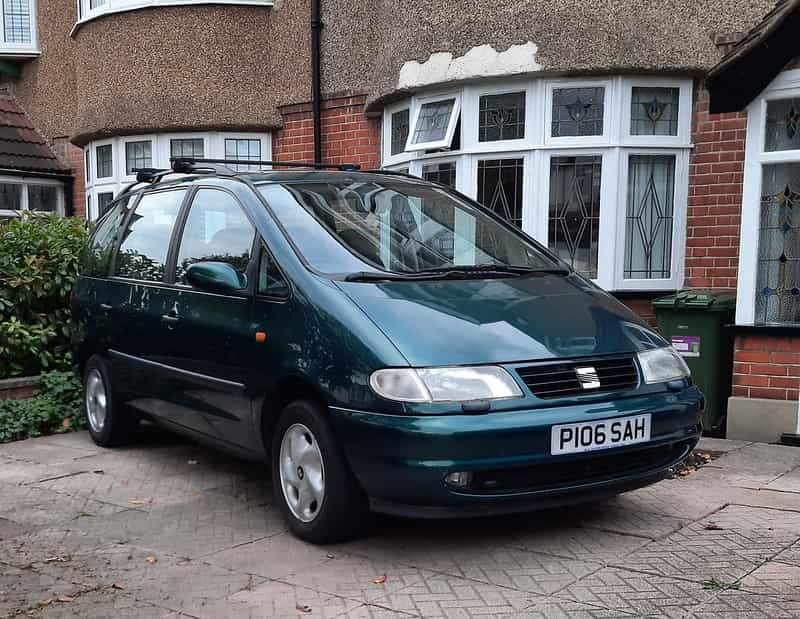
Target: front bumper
{"points": [[401, 461]]}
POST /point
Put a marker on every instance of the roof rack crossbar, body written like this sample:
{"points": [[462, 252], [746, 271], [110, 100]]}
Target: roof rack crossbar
{"points": [[189, 162]]}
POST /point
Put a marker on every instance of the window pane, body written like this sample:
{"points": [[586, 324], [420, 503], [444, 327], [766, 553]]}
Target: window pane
{"points": [[783, 125], [444, 173], [10, 196], [654, 111], [93, 4], [189, 147], [270, 279], [103, 200], [95, 261], [143, 253], [43, 198], [247, 150], [502, 117], [216, 229], [778, 283], [578, 111], [105, 161], [432, 121], [17, 20], [399, 131], [138, 155], [648, 231], [500, 187], [87, 165], [574, 222]]}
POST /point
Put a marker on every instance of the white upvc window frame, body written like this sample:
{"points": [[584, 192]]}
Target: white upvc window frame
{"points": [[122, 154], [452, 121], [616, 145], [105, 179], [10, 49], [386, 135], [164, 143], [24, 205], [786, 85]]}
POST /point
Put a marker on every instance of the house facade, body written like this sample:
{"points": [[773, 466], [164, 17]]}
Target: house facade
{"points": [[588, 126]]}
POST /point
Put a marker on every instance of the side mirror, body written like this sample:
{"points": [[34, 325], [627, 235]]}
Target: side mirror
{"points": [[216, 277]]}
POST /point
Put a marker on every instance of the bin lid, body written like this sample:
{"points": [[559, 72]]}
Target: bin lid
{"points": [[708, 300]]}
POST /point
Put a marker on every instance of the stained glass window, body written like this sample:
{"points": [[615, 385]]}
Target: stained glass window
{"points": [[17, 21], [783, 125], [432, 121], [500, 187], [444, 173], [574, 222], [138, 155], [654, 111], [648, 224], [243, 149], [399, 131], [578, 111], [186, 147], [778, 279], [501, 117], [105, 161]]}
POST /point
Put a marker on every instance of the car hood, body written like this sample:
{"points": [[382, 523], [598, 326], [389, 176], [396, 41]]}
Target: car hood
{"points": [[463, 322]]}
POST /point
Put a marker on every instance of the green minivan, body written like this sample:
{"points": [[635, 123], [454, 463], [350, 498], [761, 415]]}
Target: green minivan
{"points": [[383, 342]]}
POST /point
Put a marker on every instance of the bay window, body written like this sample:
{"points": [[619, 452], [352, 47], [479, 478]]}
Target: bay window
{"points": [[769, 263], [596, 169]]}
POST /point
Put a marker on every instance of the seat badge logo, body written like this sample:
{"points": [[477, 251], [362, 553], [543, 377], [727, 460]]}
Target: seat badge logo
{"points": [[588, 378]]}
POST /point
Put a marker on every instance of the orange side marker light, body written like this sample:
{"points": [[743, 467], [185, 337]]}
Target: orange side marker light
{"points": [[261, 337]]}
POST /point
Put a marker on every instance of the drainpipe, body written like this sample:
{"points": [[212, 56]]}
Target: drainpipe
{"points": [[316, 78]]}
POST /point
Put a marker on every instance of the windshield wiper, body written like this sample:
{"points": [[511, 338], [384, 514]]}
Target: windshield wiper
{"points": [[454, 272], [488, 269], [376, 276]]}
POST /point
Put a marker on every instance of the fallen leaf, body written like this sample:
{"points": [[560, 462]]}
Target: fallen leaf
{"points": [[66, 423], [65, 599], [140, 501], [379, 580], [303, 608], [151, 559], [44, 602], [712, 526]]}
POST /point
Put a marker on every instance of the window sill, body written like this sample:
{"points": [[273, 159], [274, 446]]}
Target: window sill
{"points": [[766, 329], [18, 52], [146, 4]]}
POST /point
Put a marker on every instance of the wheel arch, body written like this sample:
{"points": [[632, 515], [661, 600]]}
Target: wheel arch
{"points": [[286, 390]]}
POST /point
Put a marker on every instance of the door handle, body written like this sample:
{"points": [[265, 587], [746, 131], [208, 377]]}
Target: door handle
{"points": [[171, 318]]}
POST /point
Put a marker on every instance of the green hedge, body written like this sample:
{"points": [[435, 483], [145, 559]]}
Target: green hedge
{"points": [[39, 257]]}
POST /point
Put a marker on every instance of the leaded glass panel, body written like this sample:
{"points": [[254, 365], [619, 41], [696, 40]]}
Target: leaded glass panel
{"points": [[778, 278], [501, 117], [10, 196], [105, 161], [578, 111], [783, 125], [186, 147], [138, 155], [648, 223], [574, 222], [243, 149], [444, 173], [432, 121], [43, 198], [400, 123], [654, 111], [17, 21], [500, 187]]}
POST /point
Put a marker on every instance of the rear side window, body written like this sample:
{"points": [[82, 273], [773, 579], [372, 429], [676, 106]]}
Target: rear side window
{"points": [[97, 257], [143, 251], [216, 230]]}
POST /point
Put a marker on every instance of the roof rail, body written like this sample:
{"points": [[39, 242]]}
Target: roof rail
{"points": [[191, 164]]}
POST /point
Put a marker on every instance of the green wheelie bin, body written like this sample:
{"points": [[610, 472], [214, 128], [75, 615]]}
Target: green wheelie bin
{"points": [[696, 323]]}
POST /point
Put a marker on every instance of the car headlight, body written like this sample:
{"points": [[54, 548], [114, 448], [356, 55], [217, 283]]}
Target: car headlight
{"points": [[663, 365], [457, 384]]}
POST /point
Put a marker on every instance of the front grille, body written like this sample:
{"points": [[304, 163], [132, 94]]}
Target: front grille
{"points": [[560, 380], [594, 468]]}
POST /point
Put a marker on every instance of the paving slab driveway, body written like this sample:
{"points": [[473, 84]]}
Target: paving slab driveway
{"points": [[169, 529]]}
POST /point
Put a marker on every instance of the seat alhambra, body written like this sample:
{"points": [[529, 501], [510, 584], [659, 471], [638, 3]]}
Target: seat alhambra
{"points": [[384, 343]]}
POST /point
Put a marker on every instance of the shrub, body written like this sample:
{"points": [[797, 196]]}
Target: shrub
{"points": [[57, 408], [39, 256]]}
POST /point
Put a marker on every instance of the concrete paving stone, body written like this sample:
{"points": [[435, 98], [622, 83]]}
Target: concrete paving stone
{"points": [[586, 544], [637, 593], [274, 557], [17, 472], [372, 611], [251, 489], [756, 465], [732, 604], [788, 482], [443, 595], [10, 529], [274, 599], [555, 607], [622, 516], [790, 555], [53, 543], [720, 445], [206, 525], [773, 578], [39, 451], [74, 440], [684, 498], [32, 505], [101, 604], [22, 590]]}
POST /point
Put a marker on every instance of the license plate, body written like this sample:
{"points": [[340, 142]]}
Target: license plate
{"points": [[595, 435]]}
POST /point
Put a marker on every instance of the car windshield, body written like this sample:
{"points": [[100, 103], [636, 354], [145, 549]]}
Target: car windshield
{"points": [[396, 225]]}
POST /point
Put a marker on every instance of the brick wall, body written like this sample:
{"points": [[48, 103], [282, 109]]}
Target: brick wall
{"points": [[767, 366], [716, 173], [348, 135], [73, 155], [643, 306]]}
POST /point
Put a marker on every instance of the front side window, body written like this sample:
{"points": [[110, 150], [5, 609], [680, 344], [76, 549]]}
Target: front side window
{"points": [[216, 230], [399, 226], [97, 257], [271, 282], [143, 251], [138, 155]]}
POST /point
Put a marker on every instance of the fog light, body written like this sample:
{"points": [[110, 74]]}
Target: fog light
{"points": [[458, 479]]}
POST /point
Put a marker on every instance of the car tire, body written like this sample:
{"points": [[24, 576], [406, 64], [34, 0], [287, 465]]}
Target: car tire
{"points": [[317, 493], [110, 424]]}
